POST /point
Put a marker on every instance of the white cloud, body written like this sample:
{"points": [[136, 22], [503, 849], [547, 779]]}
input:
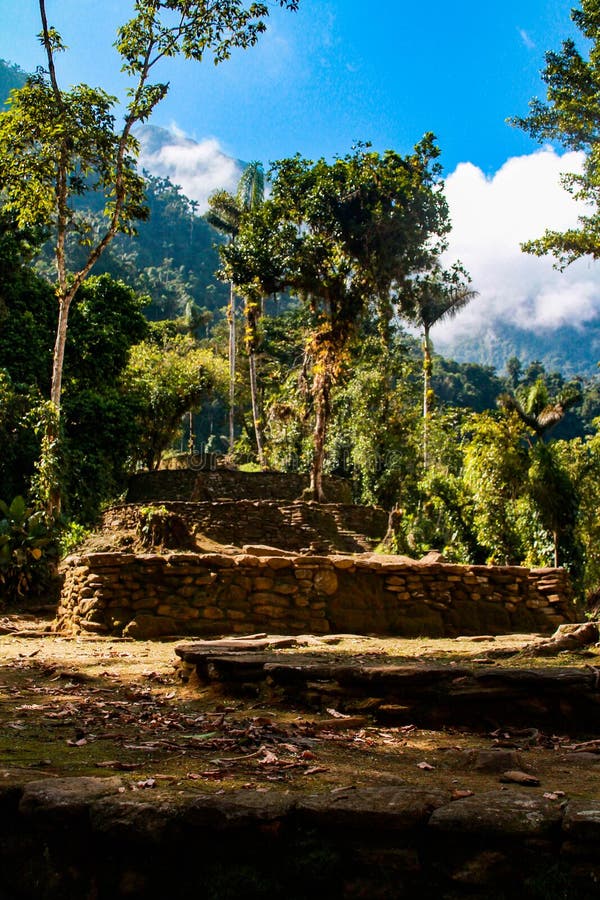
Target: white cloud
{"points": [[529, 43], [198, 167], [491, 217]]}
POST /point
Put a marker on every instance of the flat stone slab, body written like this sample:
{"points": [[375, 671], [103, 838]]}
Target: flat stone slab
{"points": [[424, 694], [582, 820], [65, 797], [496, 814], [395, 808], [192, 653]]}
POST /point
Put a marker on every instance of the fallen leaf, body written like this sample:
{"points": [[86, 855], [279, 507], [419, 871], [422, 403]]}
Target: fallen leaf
{"points": [[336, 714], [147, 783], [425, 766], [291, 748], [268, 759], [307, 754], [459, 794]]}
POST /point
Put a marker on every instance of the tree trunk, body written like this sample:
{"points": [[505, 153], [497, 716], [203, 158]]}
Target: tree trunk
{"points": [[426, 395], [321, 394], [232, 349], [64, 304], [255, 410]]}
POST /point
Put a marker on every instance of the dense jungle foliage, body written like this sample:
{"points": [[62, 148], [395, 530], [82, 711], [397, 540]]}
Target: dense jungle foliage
{"points": [[323, 344]]}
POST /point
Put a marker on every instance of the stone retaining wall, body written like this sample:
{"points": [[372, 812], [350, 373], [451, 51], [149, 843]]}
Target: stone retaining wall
{"points": [[151, 595], [297, 526], [195, 484], [74, 838]]}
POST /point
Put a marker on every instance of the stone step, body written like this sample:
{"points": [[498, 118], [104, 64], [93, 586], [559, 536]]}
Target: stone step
{"points": [[560, 699]]}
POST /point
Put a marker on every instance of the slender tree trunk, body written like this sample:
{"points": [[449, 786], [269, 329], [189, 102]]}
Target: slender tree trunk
{"points": [[58, 358], [321, 394], [232, 349], [426, 395], [255, 409], [50, 444]]}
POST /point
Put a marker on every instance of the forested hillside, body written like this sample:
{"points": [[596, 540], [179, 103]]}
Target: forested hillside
{"points": [[172, 258], [11, 76], [572, 350]]}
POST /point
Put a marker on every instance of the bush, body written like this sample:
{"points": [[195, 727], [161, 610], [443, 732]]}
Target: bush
{"points": [[28, 551]]}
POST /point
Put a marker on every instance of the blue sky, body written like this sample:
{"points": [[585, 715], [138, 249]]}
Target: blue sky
{"points": [[339, 71], [335, 72]]}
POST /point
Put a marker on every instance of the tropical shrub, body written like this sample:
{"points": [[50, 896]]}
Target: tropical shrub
{"points": [[28, 551]]}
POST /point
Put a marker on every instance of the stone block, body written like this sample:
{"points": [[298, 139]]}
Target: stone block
{"points": [[514, 814], [285, 587], [393, 581], [326, 582], [263, 584], [279, 600], [278, 562], [212, 612], [233, 593]]}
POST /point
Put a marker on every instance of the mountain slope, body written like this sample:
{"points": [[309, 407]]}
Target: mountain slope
{"points": [[570, 350]]}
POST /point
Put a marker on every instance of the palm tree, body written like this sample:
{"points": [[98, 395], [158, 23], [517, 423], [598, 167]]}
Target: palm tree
{"points": [[250, 196], [537, 409], [438, 296], [225, 214]]}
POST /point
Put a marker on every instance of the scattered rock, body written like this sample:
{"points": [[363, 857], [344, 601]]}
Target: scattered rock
{"points": [[515, 776], [434, 556], [489, 761]]}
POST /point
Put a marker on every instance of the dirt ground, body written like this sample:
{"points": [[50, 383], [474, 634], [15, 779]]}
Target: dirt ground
{"points": [[90, 705]]}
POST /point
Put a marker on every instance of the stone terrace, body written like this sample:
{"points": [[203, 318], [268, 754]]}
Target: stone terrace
{"points": [[316, 576], [150, 595]]}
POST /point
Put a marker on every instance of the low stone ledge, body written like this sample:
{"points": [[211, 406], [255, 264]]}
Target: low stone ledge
{"points": [[510, 815], [424, 695], [582, 820], [392, 841], [381, 808]]}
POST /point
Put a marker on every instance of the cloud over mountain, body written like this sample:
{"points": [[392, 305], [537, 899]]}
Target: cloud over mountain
{"points": [[199, 167], [491, 217]]}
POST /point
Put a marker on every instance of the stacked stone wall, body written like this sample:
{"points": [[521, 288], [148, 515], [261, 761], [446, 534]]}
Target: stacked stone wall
{"points": [[296, 526], [191, 484], [152, 595]]}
